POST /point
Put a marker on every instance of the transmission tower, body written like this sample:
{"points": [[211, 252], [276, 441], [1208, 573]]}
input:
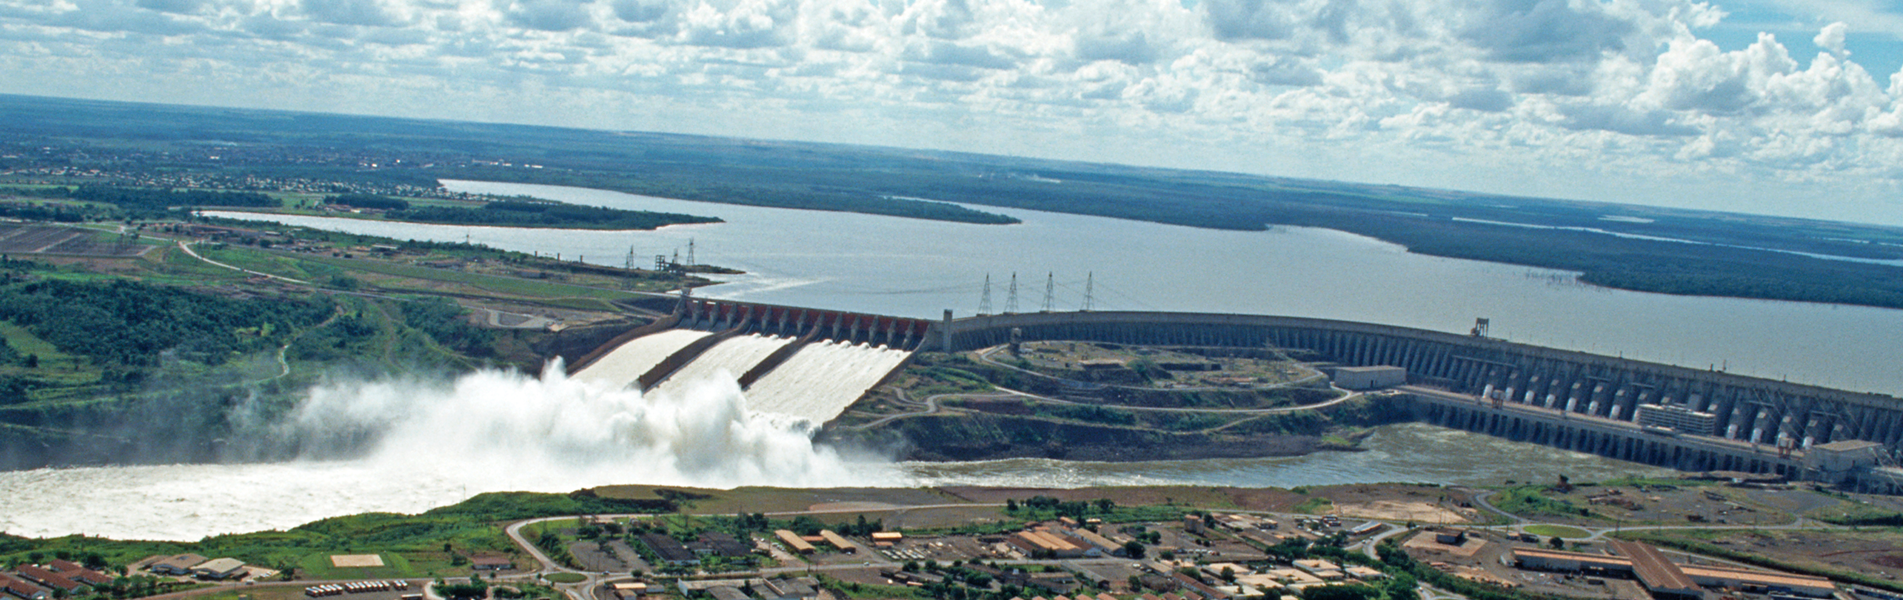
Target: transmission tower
{"points": [[690, 252], [1050, 286], [1011, 298], [984, 303], [1090, 291]]}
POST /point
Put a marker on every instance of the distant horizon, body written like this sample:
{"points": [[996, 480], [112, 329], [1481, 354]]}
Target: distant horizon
{"points": [[1771, 107], [1061, 161]]}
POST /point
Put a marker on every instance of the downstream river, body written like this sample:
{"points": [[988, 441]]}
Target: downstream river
{"points": [[920, 268]]}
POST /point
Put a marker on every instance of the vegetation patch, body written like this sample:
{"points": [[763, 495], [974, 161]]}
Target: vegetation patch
{"points": [[1560, 531]]}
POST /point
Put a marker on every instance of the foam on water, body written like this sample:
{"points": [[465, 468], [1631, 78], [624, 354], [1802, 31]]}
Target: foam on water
{"points": [[726, 360], [629, 361], [435, 443], [822, 379]]}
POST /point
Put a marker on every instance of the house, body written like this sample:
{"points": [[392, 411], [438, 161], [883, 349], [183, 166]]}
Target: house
{"points": [[76, 572], [631, 590], [491, 562], [177, 565], [220, 568], [723, 592], [788, 588], [48, 579], [19, 588]]}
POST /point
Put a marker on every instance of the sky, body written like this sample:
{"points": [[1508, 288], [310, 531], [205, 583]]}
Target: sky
{"points": [[1785, 107]]}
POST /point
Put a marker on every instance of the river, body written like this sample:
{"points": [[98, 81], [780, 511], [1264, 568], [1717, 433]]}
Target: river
{"points": [[518, 433], [918, 268]]}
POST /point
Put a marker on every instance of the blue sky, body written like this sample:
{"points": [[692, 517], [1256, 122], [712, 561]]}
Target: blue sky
{"points": [[1789, 107]]}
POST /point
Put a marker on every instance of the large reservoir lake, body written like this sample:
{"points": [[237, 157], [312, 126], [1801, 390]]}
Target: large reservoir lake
{"points": [[918, 268]]}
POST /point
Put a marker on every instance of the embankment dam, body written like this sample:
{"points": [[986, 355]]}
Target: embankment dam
{"points": [[1689, 419]]}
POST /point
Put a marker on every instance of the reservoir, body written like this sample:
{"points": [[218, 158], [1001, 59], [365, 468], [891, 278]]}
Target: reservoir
{"points": [[917, 268], [513, 432]]}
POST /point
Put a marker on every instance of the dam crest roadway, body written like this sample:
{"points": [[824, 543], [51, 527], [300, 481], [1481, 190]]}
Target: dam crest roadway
{"points": [[1665, 415]]}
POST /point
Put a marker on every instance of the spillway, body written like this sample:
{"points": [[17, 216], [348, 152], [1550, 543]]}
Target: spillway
{"points": [[822, 379], [733, 356], [628, 362]]}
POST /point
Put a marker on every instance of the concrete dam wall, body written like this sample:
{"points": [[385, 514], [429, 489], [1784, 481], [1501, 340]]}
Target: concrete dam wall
{"points": [[1738, 408], [805, 364]]}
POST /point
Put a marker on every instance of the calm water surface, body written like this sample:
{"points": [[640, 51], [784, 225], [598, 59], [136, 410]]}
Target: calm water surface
{"points": [[919, 268]]}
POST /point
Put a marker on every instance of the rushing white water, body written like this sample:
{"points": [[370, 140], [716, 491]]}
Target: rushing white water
{"points": [[624, 364], [437, 442], [726, 360], [822, 379]]}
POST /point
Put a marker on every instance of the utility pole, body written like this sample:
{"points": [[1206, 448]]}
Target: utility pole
{"points": [[1011, 297], [984, 303], [1090, 291], [1050, 286]]}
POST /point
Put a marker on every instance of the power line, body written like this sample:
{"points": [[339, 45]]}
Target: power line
{"points": [[1011, 300], [984, 304], [1050, 286], [1089, 292]]}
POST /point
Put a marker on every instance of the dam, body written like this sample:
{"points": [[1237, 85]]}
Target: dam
{"points": [[801, 364], [1665, 415]]}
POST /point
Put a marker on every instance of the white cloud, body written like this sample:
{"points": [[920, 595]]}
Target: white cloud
{"points": [[1601, 94]]}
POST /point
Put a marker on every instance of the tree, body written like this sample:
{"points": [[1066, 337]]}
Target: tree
{"points": [[1133, 549], [1556, 543], [1341, 592], [1010, 505]]}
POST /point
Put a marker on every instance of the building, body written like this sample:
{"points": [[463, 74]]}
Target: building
{"points": [[720, 543], [220, 568], [723, 592], [1677, 418], [1760, 582], [788, 588], [887, 537], [76, 572], [48, 579], [1838, 461], [794, 542], [1369, 378], [1569, 562], [491, 562], [669, 550], [1089, 539], [19, 588], [1321, 569], [839, 541], [177, 565], [1034, 543], [1193, 524], [1664, 579]]}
